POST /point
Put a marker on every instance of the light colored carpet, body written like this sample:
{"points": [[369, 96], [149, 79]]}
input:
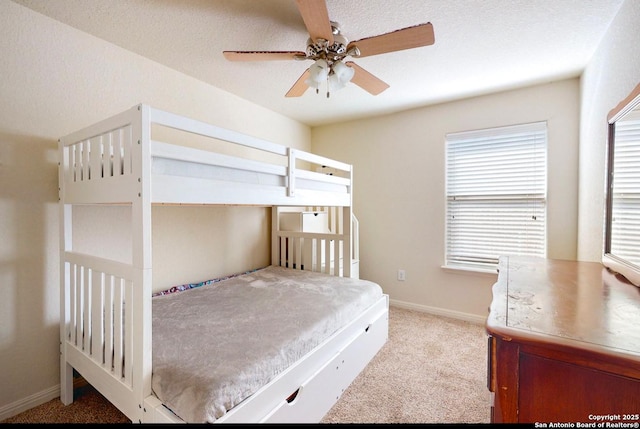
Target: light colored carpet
{"points": [[88, 406], [431, 370]]}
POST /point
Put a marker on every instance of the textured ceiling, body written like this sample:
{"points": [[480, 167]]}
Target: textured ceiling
{"points": [[481, 46]]}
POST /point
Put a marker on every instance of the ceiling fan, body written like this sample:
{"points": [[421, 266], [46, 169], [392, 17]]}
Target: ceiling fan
{"points": [[328, 48]]}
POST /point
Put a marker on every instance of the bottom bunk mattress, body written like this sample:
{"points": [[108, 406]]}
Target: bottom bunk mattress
{"points": [[218, 342]]}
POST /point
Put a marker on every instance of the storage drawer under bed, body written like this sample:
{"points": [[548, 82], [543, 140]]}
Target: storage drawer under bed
{"points": [[315, 397]]}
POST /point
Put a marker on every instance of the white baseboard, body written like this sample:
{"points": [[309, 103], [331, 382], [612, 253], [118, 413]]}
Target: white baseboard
{"points": [[29, 402], [468, 317]]}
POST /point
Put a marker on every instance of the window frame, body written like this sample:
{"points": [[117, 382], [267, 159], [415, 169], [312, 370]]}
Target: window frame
{"points": [[628, 107]]}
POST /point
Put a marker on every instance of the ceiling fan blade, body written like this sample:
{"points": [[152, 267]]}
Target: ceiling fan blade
{"points": [[316, 18], [263, 55], [366, 80], [300, 86], [406, 38]]}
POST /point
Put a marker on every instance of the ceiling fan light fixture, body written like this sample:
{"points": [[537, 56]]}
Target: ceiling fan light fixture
{"points": [[337, 75], [341, 75], [318, 73], [342, 72], [334, 83]]}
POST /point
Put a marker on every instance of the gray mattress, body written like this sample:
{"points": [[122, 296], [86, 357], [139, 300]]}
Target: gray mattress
{"points": [[215, 345]]}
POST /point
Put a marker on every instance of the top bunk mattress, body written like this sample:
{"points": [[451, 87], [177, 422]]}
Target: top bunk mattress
{"points": [[217, 344]]}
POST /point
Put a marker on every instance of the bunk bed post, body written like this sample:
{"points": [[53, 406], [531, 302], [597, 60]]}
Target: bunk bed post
{"points": [[66, 370], [291, 172], [347, 221], [348, 242], [275, 237], [141, 255]]}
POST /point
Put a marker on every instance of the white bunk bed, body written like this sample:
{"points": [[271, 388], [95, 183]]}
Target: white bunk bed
{"points": [[106, 305]]}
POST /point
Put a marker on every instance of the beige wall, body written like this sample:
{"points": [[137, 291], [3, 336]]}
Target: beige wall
{"points": [[611, 75], [54, 80], [399, 189], [189, 243]]}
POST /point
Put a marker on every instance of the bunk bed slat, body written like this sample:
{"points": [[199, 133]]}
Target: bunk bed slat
{"points": [[76, 311], [75, 161], [84, 152], [116, 364], [317, 255], [107, 357], [96, 311], [85, 310], [291, 257], [95, 154], [125, 355], [126, 150], [117, 166], [327, 258], [299, 245]]}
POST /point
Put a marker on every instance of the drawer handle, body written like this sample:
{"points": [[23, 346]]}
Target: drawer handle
{"points": [[293, 396]]}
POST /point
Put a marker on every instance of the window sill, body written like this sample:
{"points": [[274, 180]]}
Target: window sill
{"points": [[457, 269]]}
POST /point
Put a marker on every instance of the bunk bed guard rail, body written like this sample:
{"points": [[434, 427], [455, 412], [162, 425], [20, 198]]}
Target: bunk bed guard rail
{"points": [[116, 161]]}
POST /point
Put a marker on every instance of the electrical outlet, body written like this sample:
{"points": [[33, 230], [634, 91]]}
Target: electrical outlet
{"points": [[402, 275]]}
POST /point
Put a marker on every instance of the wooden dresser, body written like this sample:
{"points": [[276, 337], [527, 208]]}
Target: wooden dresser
{"points": [[564, 344]]}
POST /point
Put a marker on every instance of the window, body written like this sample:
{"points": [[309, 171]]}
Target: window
{"points": [[496, 195]]}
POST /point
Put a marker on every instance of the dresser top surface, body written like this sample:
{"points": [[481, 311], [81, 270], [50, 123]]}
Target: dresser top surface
{"points": [[580, 304]]}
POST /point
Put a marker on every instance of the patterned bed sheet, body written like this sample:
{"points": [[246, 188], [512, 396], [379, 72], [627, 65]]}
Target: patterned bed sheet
{"points": [[217, 342]]}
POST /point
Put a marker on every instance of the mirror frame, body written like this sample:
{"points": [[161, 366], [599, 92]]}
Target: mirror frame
{"points": [[616, 263]]}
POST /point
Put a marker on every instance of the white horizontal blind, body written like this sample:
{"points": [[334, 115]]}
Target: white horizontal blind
{"points": [[496, 194], [625, 220]]}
